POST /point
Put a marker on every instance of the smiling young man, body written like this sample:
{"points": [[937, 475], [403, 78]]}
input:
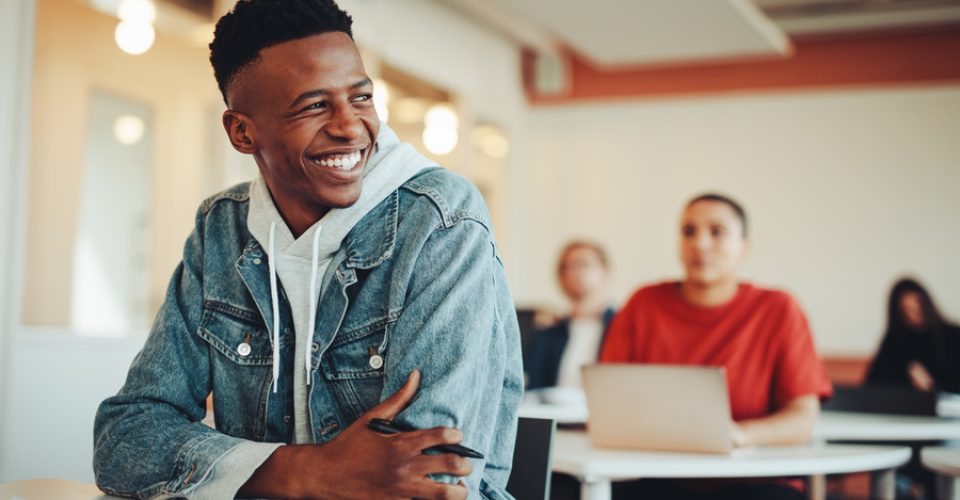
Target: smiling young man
{"points": [[775, 378], [351, 280]]}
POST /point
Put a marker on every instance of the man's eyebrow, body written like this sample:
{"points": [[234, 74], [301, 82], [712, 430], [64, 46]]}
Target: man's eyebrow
{"points": [[310, 94]]}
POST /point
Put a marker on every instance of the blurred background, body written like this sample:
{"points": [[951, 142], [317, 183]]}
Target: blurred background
{"points": [[835, 122]]}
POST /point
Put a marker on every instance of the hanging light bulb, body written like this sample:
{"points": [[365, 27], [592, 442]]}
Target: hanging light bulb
{"points": [[128, 129], [440, 133], [134, 37], [135, 34]]}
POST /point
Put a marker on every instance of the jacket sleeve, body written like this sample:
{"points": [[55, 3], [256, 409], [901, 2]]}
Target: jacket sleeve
{"points": [[149, 440], [458, 327]]}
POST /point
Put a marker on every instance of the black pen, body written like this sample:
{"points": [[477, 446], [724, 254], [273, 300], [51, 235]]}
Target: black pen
{"points": [[390, 427]]}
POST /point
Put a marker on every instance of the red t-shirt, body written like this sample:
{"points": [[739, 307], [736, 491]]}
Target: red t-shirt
{"points": [[760, 336]]}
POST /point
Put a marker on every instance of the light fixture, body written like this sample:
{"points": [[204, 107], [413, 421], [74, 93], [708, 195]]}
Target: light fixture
{"points": [[440, 133], [441, 115], [134, 37], [135, 34], [128, 129], [381, 97]]}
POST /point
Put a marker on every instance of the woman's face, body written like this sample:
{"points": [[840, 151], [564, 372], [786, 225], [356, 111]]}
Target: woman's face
{"points": [[581, 272], [911, 310], [712, 245]]}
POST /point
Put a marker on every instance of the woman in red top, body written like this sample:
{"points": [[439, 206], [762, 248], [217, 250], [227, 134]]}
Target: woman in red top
{"points": [[774, 375]]}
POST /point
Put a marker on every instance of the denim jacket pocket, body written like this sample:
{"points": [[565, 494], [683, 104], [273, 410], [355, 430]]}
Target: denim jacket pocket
{"points": [[241, 360], [236, 333], [354, 365]]}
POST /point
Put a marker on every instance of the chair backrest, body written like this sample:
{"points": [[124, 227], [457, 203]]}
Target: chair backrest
{"points": [[880, 399], [530, 478], [526, 320]]}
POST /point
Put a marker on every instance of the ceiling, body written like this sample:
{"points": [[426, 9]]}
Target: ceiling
{"points": [[614, 33]]}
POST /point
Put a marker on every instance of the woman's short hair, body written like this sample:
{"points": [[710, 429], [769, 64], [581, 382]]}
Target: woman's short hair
{"points": [[590, 245]]}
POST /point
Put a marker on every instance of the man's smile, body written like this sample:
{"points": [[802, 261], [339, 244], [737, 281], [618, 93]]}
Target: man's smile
{"points": [[340, 160]]}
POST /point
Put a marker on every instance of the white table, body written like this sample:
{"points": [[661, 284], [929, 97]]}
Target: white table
{"points": [[946, 463], [61, 489], [856, 426], [850, 426], [563, 414], [597, 468]]}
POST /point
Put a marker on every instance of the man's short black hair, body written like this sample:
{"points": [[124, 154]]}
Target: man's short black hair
{"points": [[730, 202], [254, 25]]}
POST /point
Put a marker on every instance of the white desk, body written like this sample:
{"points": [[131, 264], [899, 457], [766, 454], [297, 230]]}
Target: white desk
{"points": [[849, 426], [563, 414], [61, 489], [597, 468], [946, 463]]}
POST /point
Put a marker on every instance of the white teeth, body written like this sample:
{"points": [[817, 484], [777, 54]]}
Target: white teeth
{"points": [[341, 162]]}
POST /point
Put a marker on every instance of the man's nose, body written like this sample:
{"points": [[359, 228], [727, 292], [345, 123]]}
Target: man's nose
{"points": [[702, 240], [345, 124]]}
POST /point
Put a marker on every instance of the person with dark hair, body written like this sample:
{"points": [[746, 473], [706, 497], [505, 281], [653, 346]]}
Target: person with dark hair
{"points": [[559, 351], [920, 348], [352, 280], [761, 337]]}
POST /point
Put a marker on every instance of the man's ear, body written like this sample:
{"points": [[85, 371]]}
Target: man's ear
{"points": [[240, 130]]}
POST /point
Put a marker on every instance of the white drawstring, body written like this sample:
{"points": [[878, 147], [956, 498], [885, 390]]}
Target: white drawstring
{"points": [[276, 308], [313, 299]]}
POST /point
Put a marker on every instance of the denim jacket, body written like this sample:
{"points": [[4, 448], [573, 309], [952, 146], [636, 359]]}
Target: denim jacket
{"points": [[418, 282]]}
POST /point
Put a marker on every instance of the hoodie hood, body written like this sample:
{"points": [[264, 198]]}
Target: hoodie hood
{"points": [[299, 264]]}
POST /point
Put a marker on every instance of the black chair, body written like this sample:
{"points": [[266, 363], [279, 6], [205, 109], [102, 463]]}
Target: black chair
{"points": [[880, 399], [530, 479], [526, 320]]}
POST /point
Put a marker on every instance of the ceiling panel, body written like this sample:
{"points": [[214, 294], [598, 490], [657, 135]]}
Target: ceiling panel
{"points": [[616, 32]]}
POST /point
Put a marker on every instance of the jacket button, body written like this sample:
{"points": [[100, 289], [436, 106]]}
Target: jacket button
{"points": [[257, 261], [243, 349], [376, 361]]}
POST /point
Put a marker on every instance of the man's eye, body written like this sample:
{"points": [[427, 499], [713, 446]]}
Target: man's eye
{"points": [[316, 105], [363, 97]]}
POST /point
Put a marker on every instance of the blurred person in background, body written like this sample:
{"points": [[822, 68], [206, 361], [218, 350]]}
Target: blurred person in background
{"points": [[560, 350], [920, 348], [775, 378]]}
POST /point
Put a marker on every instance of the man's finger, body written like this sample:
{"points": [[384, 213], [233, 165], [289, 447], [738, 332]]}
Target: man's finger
{"points": [[444, 463], [391, 406], [439, 490], [428, 438]]}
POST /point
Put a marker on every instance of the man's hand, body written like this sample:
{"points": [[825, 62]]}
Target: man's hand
{"points": [[361, 463]]}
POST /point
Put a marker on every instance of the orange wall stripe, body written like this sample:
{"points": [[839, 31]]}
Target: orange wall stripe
{"points": [[866, 61]]}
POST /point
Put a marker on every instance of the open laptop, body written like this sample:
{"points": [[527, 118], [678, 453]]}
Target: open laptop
{"points": [[658, 407]]}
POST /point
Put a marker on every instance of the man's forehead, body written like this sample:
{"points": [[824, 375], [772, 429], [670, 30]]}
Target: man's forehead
{"points": [[327, 59]]}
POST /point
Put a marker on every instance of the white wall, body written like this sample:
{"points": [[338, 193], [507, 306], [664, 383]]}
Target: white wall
{"points": [[846, 189], [16, 46]]}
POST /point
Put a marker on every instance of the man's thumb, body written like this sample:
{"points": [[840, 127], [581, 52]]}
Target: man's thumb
{"points": [[391, 406]]}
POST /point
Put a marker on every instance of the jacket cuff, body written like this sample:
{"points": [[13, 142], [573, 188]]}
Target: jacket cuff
{"points": [[217, 465]]}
